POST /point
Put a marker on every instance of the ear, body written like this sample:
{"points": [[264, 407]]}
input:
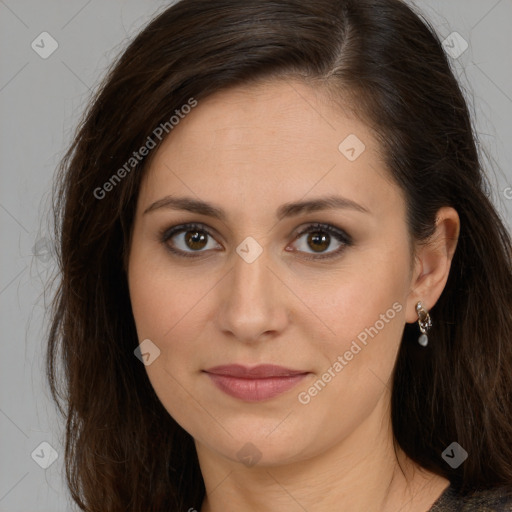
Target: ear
{"points": [[432, 263]]}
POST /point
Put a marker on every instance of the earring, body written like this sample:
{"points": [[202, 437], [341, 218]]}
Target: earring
{"points": [[424, 322]]}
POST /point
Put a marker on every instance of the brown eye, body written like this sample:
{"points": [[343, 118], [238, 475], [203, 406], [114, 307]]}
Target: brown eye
{"points": [[318, 242], [320, 238], [188, 239], [196, 240]]}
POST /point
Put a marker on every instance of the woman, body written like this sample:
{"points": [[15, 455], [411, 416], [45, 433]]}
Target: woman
{"points": [[283, 284]]}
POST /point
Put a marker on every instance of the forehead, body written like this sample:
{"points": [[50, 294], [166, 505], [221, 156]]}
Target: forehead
{"points": [[281, 140]]}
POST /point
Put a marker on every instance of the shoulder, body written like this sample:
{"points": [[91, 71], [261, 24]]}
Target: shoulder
{"points": [[488, 500]]}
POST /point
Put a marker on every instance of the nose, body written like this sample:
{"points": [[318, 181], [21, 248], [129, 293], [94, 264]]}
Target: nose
{"points": [[252, 303]]}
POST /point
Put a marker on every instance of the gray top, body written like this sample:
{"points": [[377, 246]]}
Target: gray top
{"points": [[495, 500]]}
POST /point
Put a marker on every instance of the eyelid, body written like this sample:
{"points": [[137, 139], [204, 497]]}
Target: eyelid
{"points": [[187, 226], [323, 226]]}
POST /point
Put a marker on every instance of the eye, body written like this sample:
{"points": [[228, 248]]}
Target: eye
{"points": [[320, 238], [188, 239]]}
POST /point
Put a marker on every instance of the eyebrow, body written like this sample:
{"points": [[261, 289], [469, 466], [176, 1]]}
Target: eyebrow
{"points": [[286, 210]]}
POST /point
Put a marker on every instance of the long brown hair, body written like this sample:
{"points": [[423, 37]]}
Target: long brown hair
{"points": [[123, 451]]}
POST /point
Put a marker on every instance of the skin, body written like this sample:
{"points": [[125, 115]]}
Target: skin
{"points": [[248, 150]]}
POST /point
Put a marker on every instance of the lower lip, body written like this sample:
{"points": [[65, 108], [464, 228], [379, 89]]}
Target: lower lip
{"points": [[255, 390]]}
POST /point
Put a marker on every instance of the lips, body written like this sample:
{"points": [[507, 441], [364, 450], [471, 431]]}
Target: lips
{"points": [[255, 384], [262, 371]]}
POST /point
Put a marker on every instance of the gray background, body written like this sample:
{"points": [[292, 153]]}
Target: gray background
{"points": [[40, 102]]}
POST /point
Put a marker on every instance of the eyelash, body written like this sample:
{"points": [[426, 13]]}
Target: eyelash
{"points": [[346, 241]]}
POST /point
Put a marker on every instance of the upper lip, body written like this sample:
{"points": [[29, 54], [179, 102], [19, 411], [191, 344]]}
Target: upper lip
{"points": [[261, 371]]}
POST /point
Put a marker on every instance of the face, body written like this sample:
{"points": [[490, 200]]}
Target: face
{"points": [[254, 269]]}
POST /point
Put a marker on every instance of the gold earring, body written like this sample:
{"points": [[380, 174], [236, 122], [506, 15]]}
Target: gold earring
{"points": [[424, 322]]}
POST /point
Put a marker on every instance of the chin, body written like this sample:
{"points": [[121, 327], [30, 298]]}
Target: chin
{"points": [[255, 447]]}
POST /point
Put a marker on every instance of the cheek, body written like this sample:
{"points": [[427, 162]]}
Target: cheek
{"points": [[172, 306], [161, 296], [363, 311], [165, 310], [361, 300]]}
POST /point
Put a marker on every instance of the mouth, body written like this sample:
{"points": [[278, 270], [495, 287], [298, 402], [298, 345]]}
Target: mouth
{"points": [[255, 384]]}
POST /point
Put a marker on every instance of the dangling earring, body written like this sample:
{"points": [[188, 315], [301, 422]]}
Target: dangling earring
{"points": [[424, 322]]}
